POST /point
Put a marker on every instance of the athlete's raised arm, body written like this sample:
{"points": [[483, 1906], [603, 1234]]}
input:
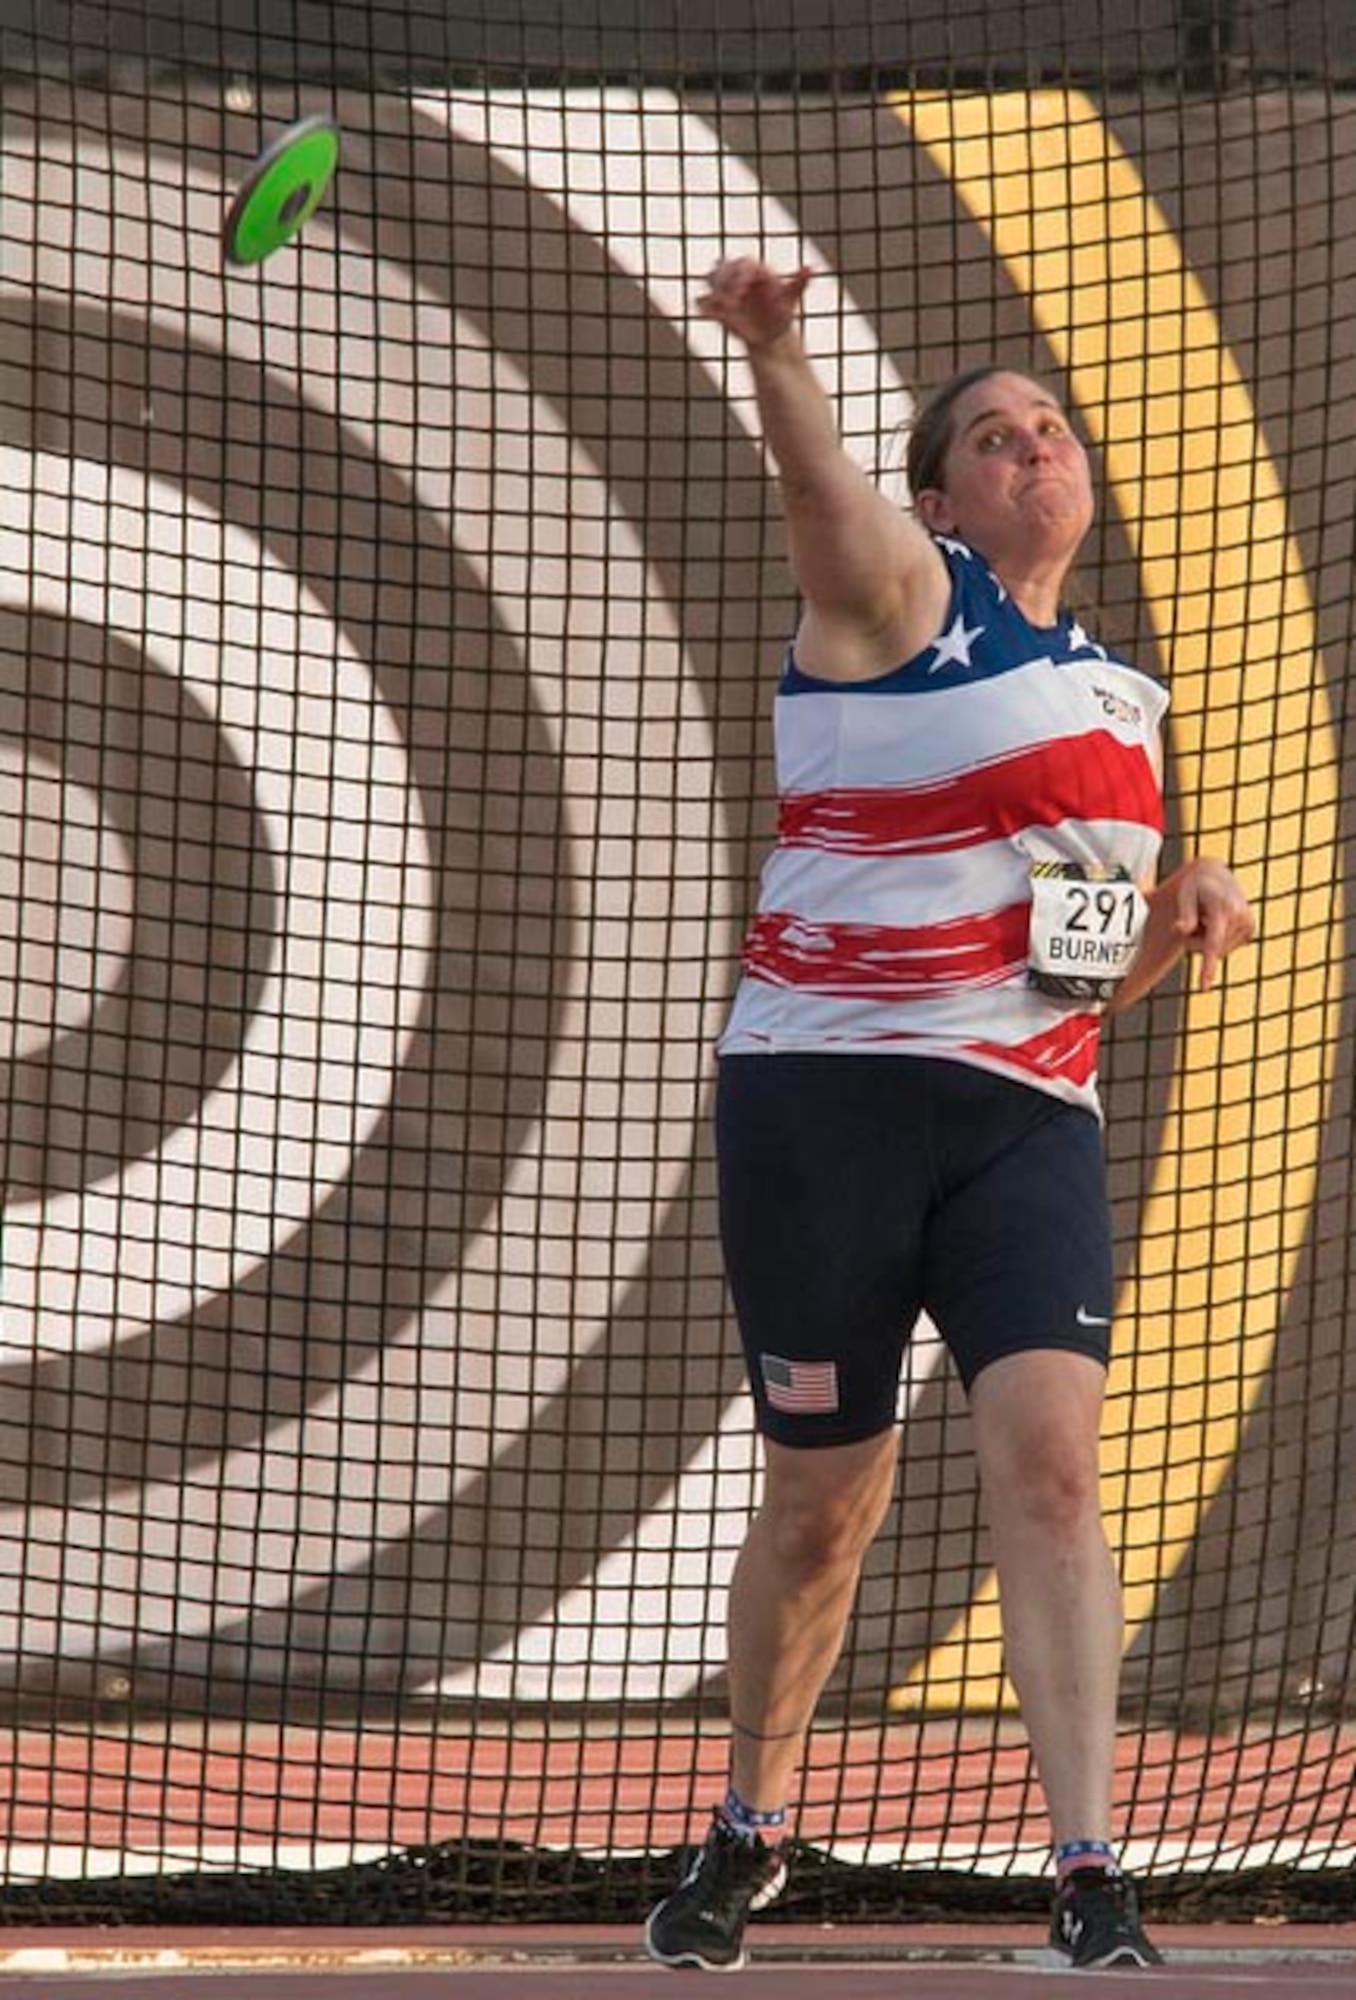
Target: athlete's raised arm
{"points": [[874, 586]]}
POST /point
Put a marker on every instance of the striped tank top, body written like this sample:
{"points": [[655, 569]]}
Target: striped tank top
{"points": [[894, 911]]}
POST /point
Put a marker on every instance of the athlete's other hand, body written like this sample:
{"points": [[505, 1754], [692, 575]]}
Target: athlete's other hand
{"points": [[1211, 915]]}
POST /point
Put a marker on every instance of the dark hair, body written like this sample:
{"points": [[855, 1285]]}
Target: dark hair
{"points": [[934, 428]]}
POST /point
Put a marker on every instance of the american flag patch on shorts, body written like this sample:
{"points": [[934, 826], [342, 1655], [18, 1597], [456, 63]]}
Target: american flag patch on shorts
{"points": [[800, 1388]]}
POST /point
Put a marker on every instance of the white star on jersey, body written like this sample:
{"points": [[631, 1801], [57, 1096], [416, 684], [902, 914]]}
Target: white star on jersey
{"points": [[1079, 641], [953, 648]]}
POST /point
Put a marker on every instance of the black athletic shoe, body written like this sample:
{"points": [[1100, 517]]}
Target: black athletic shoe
{"points": [[702, 1922], [1096, 1923]]}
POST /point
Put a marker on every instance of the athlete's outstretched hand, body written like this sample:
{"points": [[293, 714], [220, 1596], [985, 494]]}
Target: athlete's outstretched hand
{"points": [[752, 300]]}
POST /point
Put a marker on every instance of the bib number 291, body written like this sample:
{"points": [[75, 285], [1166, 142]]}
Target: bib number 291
{"points": [[1085, 928]]}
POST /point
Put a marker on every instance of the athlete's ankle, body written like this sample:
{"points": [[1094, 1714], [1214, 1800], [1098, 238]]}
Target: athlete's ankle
{"points": [[1071, 1856], [752, 1822]]}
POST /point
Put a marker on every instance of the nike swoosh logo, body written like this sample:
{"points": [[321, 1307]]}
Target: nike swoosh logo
{"points": [[1085, 1318]]}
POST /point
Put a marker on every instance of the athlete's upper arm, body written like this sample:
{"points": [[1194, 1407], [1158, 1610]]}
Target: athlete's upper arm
{"points": [[873, 581]]}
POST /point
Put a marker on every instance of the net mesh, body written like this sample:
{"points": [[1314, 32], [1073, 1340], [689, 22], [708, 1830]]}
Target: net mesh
{"points": [[387, 636]]}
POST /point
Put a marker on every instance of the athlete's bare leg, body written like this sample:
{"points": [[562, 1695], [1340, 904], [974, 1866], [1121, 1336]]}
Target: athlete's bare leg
{"points": [[791, 1597], [1037, 1423]]}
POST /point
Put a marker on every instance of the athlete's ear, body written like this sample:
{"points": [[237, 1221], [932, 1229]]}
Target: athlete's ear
{"points": [[933, 509]]}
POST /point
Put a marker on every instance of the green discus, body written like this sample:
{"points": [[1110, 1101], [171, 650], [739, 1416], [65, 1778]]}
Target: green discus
{"points": [[281, 191]]}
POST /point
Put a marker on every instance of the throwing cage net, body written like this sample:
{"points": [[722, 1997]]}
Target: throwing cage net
{"points": [[387, 640]]}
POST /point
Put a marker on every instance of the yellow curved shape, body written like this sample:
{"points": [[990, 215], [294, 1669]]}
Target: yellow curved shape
{"points": [[1256, 760]]}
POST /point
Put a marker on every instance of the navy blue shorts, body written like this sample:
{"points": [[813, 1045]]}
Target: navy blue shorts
{"points": [[858, 1190]]}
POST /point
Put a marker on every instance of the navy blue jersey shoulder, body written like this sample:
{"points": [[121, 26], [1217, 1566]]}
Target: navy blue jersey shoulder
{"points": [[983, 634]]}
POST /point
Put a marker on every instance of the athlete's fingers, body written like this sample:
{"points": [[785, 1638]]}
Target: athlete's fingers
{"points": [[1211, 947], [1188, 918], [751, 298], [1213, 916], [793, 288]]}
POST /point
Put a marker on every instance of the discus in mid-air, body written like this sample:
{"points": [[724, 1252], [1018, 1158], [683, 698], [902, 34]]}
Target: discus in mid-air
{"points": [[281, 191]]}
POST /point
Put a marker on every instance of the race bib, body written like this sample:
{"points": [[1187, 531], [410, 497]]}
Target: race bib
{"points": [[1085, 929]]}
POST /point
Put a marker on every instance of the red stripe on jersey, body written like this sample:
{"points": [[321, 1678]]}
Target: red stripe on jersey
{"points": [[1088, 777], [1068, 1050], [884, 961]]}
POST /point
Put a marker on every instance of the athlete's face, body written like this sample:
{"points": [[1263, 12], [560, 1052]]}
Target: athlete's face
{"points": [[1017, 482]]}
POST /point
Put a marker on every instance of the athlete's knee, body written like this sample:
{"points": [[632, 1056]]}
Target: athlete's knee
{"points": [[1037, 1433], [1055, 1491], [809, 1542], [820, 1514]]}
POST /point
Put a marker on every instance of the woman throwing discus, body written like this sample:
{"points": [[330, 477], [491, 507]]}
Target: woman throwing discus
{"points": [[962, 888]]}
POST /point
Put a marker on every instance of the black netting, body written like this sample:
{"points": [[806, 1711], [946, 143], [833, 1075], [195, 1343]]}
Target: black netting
{"points": [[387, 639]]}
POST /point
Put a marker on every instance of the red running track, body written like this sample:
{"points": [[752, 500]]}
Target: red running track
{"points": [[130, 1788], [940, 1963]]}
